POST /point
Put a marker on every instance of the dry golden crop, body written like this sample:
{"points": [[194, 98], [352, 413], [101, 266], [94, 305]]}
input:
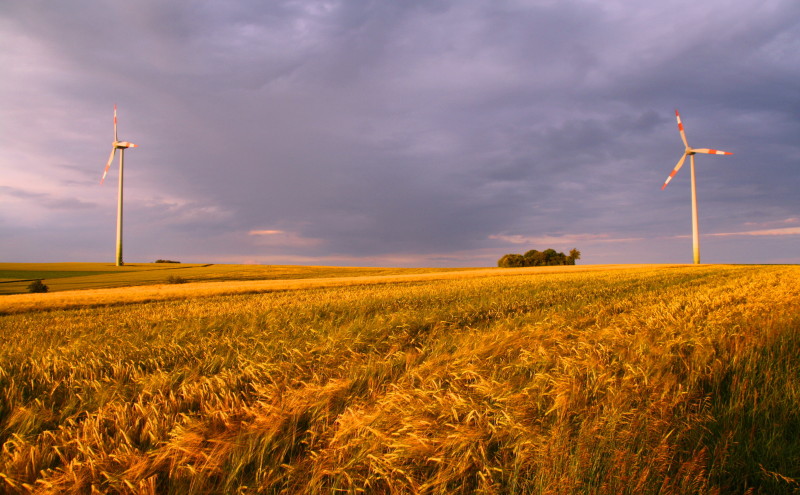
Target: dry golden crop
{"points": [[639, 380]]}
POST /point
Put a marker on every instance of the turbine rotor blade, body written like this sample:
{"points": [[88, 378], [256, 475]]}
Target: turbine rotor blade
{"points": [[108, 164], [680, 128], [711, 152], [674, 170], [115, 123]]}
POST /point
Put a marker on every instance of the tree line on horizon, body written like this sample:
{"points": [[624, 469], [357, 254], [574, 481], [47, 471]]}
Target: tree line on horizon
{"points": [[548, 257]]}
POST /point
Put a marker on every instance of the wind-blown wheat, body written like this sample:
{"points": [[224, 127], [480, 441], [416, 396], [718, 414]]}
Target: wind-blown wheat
{"points": [[645, 380]]}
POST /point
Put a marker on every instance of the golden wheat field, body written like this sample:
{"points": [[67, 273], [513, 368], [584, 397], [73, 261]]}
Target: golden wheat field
{"points": [[648, 379]]}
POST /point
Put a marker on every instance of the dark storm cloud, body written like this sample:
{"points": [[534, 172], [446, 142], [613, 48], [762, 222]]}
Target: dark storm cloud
{"points": [[429, 130]]}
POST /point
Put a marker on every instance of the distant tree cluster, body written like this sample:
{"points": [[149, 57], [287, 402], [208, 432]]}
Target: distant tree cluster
{"points": [[166, 261], [548, 257], [37, 286]]}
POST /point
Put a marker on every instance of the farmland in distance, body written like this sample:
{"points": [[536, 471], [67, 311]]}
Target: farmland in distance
{"points": [[14, 277], [649, 379]]}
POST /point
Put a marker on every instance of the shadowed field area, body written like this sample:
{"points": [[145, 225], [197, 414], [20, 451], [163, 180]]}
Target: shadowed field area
{"points": [[650, 379], [15, 277]]}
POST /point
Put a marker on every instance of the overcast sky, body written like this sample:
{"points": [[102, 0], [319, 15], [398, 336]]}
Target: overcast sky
{"points": [[399, 133]]}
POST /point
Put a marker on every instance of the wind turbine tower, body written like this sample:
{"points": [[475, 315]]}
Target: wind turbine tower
{"points": [[121, 146], [690, 152]]}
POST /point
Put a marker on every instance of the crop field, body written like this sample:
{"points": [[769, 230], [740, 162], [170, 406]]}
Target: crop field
{"points": [[15, 277], [639, 379]]}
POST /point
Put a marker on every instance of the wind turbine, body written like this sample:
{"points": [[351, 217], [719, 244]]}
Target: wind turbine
{"points": [[690, 152], [121, 146]]}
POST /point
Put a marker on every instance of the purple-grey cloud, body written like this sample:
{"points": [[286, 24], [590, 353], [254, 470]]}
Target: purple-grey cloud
{"points": [[418, 132]]}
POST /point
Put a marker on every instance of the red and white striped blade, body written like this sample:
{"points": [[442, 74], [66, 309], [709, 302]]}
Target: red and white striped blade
{"points": [[674, 171], [115, 122], [108, 164], [680, 128], [711, 152]]}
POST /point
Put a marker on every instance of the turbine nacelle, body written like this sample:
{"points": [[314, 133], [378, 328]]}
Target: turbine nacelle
{"points": [[124, 144]]}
